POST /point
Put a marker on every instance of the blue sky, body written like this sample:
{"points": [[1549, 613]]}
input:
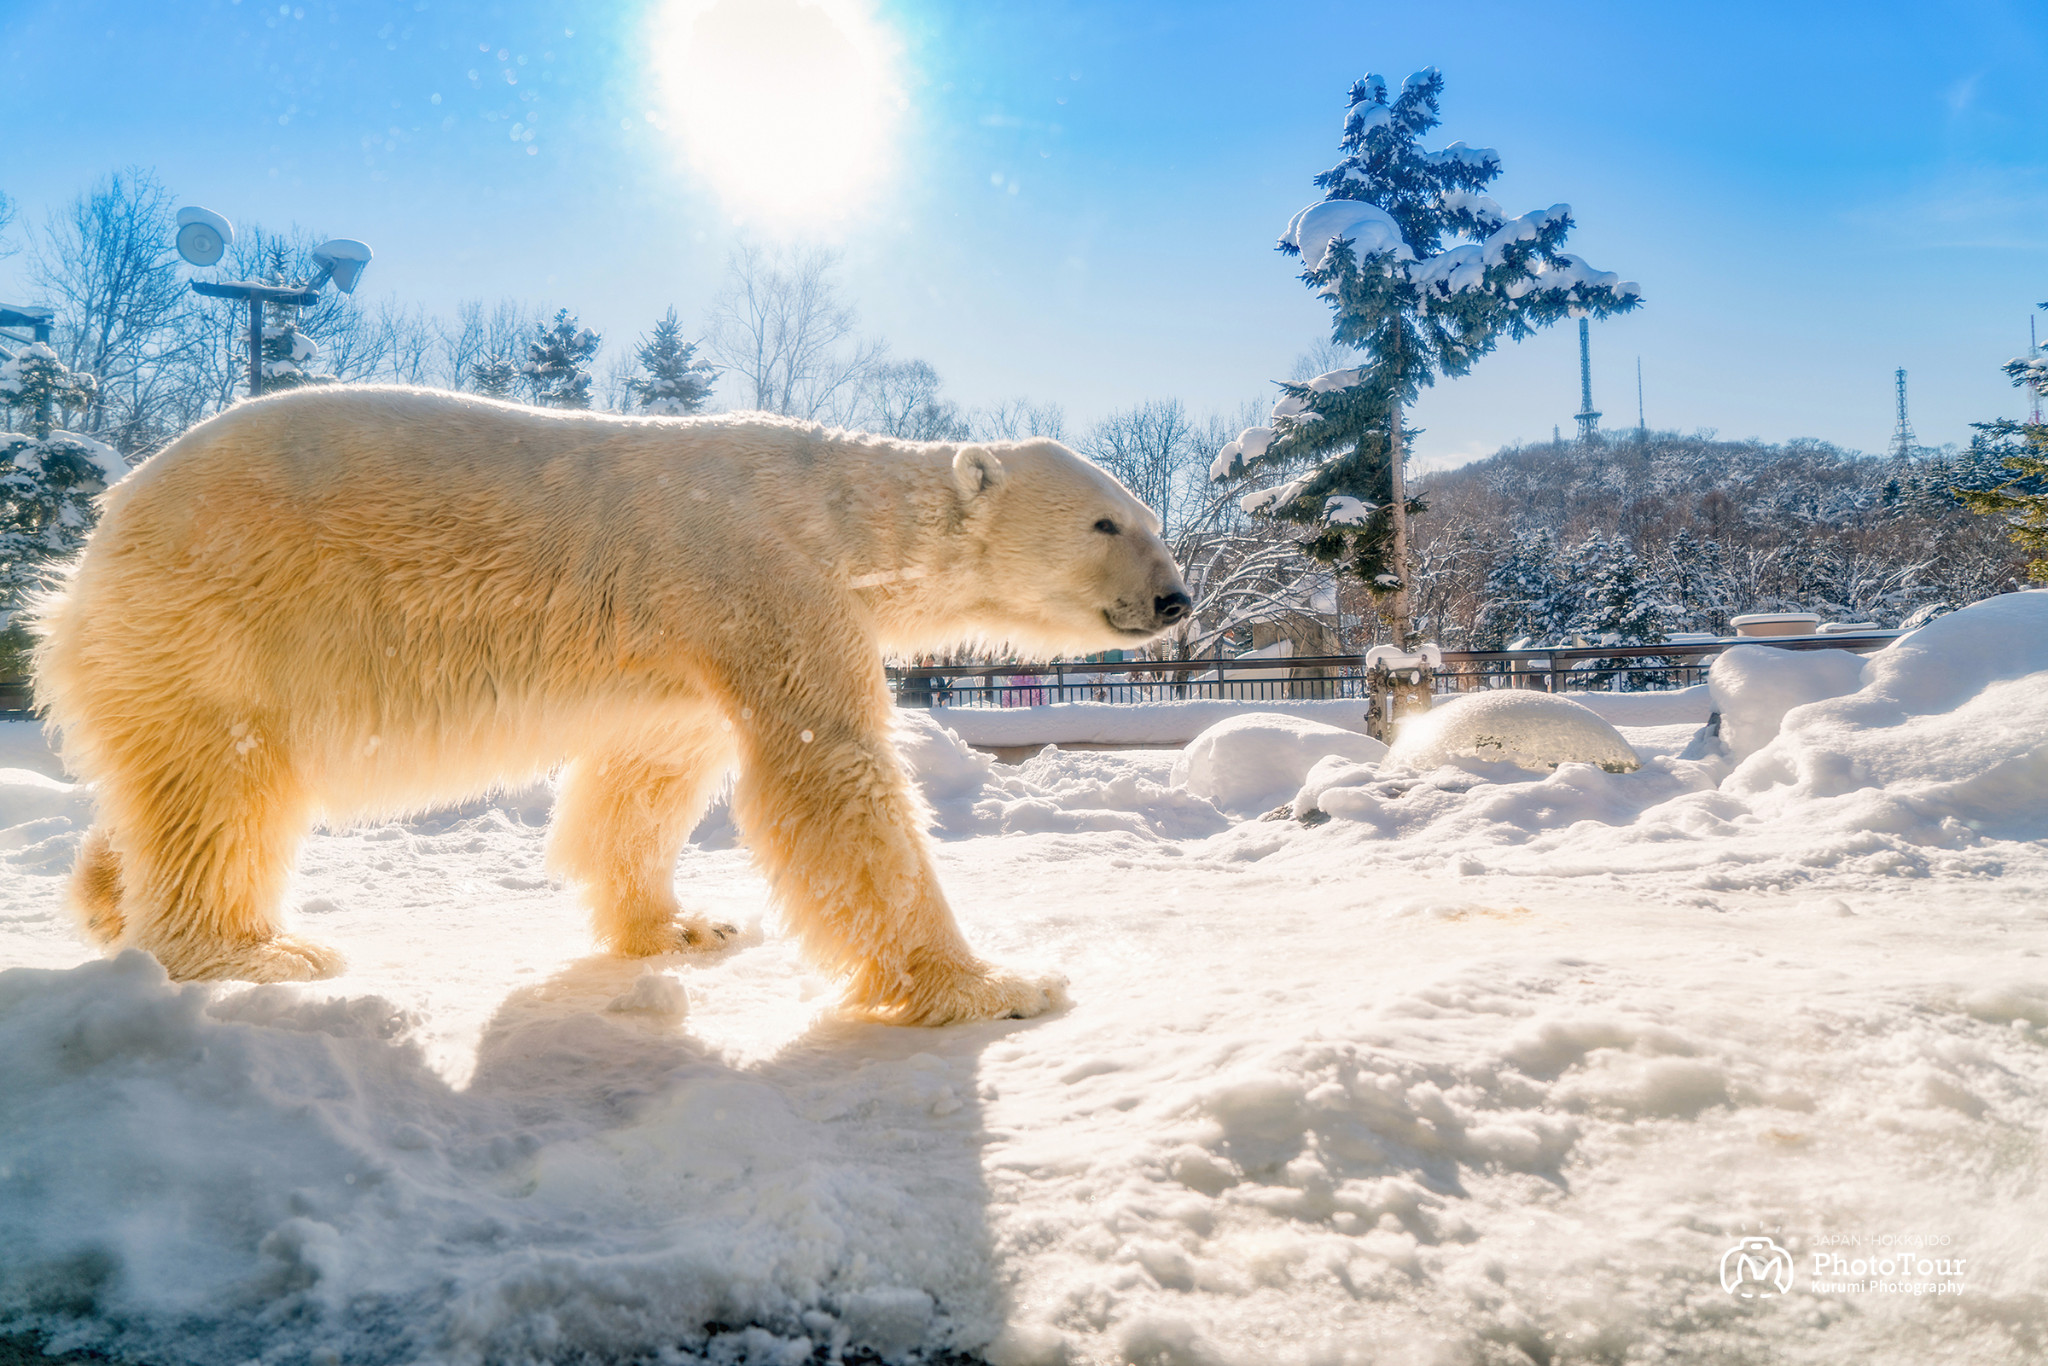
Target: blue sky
{"points": [[1810, 195]]}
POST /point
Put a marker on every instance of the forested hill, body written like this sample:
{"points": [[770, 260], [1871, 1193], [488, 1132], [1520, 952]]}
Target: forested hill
{"points": [[1633, 535]]}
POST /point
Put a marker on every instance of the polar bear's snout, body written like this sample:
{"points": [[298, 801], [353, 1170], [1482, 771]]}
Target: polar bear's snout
{"points": [[1172, 607]]}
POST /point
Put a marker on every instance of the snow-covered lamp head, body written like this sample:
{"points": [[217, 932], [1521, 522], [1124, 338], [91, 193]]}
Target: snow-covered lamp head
{"points": [[342, 261], [203, 235]]}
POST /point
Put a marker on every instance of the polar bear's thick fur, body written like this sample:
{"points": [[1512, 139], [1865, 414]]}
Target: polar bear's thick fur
{"points": [[352, 603]]}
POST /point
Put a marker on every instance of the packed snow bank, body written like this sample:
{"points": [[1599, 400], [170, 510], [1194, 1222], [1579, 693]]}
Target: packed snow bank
{"points": [[1250, 764], [1133, 723], [1051, 791], [1178, 723], [970, 795], [1489, 1067], [1532, 730], [1947, 735], [1669, 707], [279, 1173]]}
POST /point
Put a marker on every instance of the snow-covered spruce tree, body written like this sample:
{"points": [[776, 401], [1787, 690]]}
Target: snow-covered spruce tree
{"points": [[1625, 602], [1520, 598], [1424, 274], [36, 384], [2021, 447], [557, 366], [286, 350], [675, 382], [494, 376], [48, 481]]}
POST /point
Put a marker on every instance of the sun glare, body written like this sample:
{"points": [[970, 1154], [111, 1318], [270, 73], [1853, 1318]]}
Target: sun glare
{"points": [[784, 105]]}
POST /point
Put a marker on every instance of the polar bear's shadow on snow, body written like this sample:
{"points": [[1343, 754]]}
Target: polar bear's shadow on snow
{"points": [[876, 1129]]}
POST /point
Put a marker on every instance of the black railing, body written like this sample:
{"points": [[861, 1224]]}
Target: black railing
{"points": [[1578, 668]]}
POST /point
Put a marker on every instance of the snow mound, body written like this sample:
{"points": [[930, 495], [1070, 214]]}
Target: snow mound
{"points": [[27, 798], [951, 776], [1129, 790], [1754, 686], [1532, 730], [1947, 737], [1250, 764]]}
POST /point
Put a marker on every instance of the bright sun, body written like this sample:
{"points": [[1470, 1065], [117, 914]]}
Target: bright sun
{"points": [[784, 105]]}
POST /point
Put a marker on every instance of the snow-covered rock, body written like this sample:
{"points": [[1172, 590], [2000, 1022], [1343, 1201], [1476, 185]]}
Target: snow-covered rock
{"points": [[1532, 730], [1250, 764]]}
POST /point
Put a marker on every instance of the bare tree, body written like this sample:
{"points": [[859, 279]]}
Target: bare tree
{"points": [[106, 262], [477, 335], [1320, 359], [410, 340], [1013, 419], [1151, 448], [616, 386], [1242, 572], [781, 330], [901, 398], [7, 215]]}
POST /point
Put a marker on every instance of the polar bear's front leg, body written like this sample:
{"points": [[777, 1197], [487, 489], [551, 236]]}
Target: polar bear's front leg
{"points": [[621, 818], [836, 826]]}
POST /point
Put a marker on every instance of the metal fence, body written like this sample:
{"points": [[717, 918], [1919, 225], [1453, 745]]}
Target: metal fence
{"points": [[1617, 668]]}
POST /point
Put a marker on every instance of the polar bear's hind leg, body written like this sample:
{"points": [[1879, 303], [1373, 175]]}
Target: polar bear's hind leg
{"points": [[205, 848], [620, 820]]}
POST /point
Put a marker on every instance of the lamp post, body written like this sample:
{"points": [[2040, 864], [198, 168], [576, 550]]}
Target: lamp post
{"points": [[204, 235]]}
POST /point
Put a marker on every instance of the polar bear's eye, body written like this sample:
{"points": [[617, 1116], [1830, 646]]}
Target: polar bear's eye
{"points": [[1106, 527]]}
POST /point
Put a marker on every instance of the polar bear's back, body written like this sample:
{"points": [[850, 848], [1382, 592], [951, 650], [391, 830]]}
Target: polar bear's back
{"points": [[378, 571]]}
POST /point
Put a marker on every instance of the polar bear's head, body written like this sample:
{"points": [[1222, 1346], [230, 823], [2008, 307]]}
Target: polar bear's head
{"points": [[1069, 559]]}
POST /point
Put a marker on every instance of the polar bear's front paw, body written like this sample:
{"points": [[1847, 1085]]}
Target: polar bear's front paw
{"points": [[983, 994], [695, 934], [676, 934]]}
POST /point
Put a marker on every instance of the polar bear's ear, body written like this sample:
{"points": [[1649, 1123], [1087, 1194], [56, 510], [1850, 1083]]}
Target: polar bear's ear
{"points": [[977, 471]]}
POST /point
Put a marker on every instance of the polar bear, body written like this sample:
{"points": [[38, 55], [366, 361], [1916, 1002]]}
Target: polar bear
{"points": [[351, 603]]}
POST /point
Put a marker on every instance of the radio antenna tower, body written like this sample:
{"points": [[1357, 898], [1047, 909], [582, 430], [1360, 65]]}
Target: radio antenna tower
{"points": [[1904, 444], [1589, 421], [1642, 428]]}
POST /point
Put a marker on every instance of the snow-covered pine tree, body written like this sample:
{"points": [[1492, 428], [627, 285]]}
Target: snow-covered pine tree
{"points": [[48, 481], [1520, 597], [1702, 595], [1625, 602], [675, 382], [286, 350], [1424, 274], [2021, 447], [36, 383], [557, 366], [494, 376]]}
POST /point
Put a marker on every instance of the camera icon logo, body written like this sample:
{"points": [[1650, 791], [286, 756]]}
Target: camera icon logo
{"points": [[1756, 1269]]}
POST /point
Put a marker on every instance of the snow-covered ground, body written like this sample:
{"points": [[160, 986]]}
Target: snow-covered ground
{"points": [[1474, 1066]]}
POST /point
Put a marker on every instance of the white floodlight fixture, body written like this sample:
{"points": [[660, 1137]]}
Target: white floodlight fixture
{"points": [[341, 260], [203, 235]]}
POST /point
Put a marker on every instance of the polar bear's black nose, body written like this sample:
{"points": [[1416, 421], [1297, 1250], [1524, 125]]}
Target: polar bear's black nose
{"points": [[1172, 607]]}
